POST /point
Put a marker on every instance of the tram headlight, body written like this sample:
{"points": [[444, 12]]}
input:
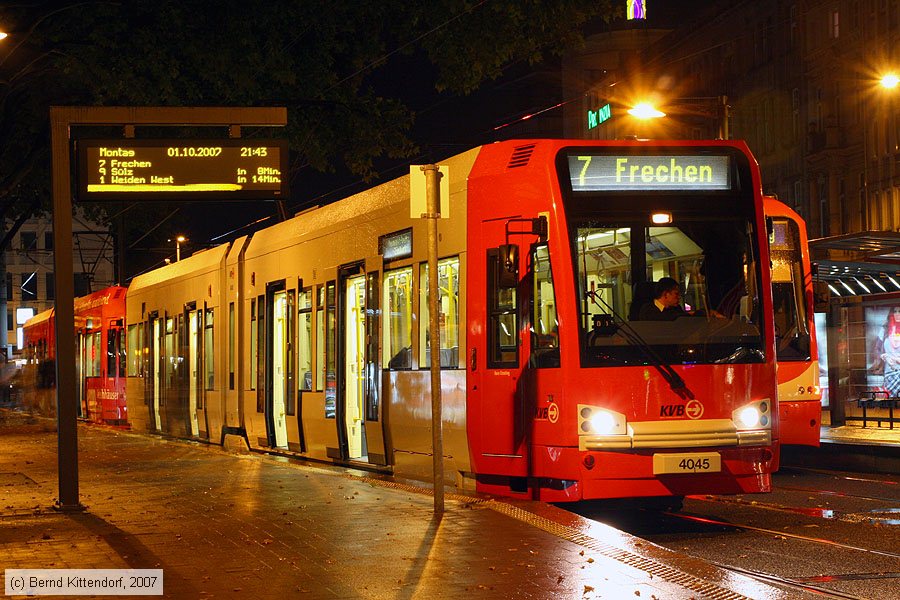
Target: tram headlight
{"points": [[756, 415], [593, 420], [748, 417]]}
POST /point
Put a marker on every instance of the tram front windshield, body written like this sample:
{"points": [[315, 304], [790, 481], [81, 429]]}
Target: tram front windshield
{"points": [[712, 258]]}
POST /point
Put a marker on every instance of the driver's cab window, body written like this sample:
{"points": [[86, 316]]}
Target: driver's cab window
{"points": [[544, 322], [621, 267], [502, 303]]}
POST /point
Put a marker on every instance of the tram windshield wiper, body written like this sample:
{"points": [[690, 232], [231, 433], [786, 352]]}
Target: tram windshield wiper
{"points": [[608, 326]]}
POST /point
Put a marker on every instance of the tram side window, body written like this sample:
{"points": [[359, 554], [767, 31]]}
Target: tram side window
{"points": [[112, 348], [320, 338], [398, 319], [209, 350], [253, 348], [289, 355], [304, 339], [448, 303], [93, 352], [123, 353], [544, 324], [330, 352], [115, 352], [171, 359], [373, 376], [502, 302], [135, 349]]}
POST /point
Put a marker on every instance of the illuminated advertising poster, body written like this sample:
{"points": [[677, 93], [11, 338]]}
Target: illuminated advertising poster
{"points": [[883, 343], [636, 9], [822, 342]]}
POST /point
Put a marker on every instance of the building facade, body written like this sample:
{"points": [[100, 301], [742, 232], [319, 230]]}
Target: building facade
{"points": [[30, 284], [801, 82]]}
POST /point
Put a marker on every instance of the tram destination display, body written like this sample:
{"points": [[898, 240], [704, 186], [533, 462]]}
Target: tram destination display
{"points": [[227, 169], [631, 172]]}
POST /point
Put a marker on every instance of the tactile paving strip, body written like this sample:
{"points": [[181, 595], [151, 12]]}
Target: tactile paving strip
{"points": [[664, 572]]}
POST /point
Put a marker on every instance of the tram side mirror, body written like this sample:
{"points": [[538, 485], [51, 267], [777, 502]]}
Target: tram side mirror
{"points": [[509, 265], [821, 296]]}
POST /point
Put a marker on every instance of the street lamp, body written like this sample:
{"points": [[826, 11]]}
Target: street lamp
{"points": [[646, 110], [178, 241], [888, 81]]}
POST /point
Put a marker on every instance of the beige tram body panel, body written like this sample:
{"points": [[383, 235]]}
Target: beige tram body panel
{"points": [[232, 292], [166, 291], [311, 248]]}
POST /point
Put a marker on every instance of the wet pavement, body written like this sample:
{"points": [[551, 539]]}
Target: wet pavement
{"points": [[221, 524]]}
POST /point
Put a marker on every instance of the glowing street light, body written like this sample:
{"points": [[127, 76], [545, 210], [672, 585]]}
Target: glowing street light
{"points": [[178, 241], [888, 81], [3, 35], [645, 110]]}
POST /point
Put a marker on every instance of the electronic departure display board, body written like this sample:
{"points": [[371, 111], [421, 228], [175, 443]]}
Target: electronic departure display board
{"points": [[228, 169], [638, 172]]}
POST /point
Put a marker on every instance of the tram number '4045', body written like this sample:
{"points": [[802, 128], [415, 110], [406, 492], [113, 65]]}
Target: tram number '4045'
{"points": [[694, 464], [699, 462]]}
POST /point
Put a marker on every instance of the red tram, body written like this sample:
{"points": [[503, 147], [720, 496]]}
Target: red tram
{"points": [[100, 361], [799, 396], [311, 336]]}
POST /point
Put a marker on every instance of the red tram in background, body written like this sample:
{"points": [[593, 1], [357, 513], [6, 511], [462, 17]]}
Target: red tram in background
{"points": [[100, 368], [310, 337], [799, 396]]}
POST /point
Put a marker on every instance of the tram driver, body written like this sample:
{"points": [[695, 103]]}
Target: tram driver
{"points": [[666, 303]]}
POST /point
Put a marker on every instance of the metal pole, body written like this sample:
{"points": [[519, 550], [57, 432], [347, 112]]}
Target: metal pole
{"points": [[432, 194], [66, 413], [723, 128], [864, 209], [177, 251]]}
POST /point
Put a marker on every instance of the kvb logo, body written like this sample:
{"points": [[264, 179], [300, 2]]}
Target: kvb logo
{"points": [[693, 409]]}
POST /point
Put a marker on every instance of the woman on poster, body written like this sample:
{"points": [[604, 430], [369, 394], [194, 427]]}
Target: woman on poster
{"points": [[890, 352]]}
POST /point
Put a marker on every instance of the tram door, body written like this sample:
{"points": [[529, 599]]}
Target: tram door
{"points": [[502, 417], [194, 365], [158, 373], [277, 345], [354, 367]]}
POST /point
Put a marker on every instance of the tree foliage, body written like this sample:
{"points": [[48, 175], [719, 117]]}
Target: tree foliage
{"points": [[320, 58]]}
